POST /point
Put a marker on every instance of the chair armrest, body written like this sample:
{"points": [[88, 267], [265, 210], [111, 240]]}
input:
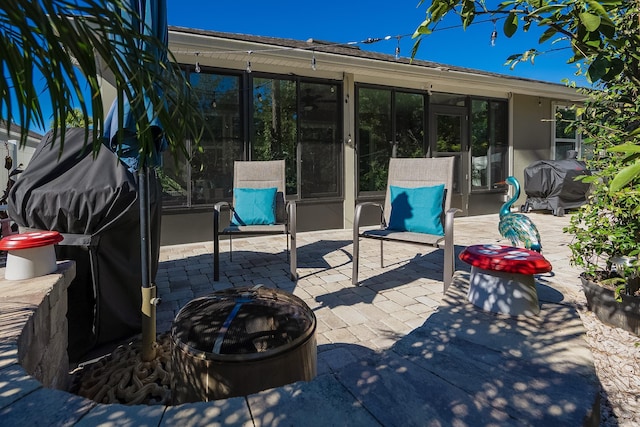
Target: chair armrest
{"points": [[358, 212], [217, 209], [448, 226], [448, 221], [221, 205]]}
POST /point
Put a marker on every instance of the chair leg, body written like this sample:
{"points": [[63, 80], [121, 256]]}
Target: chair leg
{"points": [[381, 254], [293, 258], [216, 247], [354, 261], [449, 250], [447, 274], [292, 227], [230, 247], [288, 250]]}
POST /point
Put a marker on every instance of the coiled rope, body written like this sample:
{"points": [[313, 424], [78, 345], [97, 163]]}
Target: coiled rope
{"points": [[122, 377]]}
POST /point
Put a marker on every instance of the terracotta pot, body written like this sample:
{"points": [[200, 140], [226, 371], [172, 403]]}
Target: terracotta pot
{"points": [[601, 301]]}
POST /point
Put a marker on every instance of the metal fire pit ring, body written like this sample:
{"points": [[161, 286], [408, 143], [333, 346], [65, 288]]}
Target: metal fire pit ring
{"points": [[240, 341]]}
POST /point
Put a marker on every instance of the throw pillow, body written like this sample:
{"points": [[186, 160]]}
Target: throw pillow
{"points": [[254, 206], [417, 209]]}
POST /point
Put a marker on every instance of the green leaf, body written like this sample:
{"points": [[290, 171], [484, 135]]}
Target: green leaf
{"points": [[597, 7], [590, 21], [510, 25], [607, 29], [549, 32], [549, 8], [62, 40], [415, 48], [625, 148], [598, 69], [437, 10], [625, 176], [423, 28], [616, 68], [468, 12]]}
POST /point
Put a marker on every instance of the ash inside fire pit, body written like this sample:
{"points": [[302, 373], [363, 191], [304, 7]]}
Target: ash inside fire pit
{"points": [[241, 341]]}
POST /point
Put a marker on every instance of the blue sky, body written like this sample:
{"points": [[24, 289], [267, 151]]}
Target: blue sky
{"points": [[347, 21]]}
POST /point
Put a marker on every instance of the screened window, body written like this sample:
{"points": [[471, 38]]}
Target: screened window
{"points": [[409, 125], [300, 122], [374, 137], [320, 136], [259, 118], [208, 176], [489, 143], [275, 127], [391, 123]]}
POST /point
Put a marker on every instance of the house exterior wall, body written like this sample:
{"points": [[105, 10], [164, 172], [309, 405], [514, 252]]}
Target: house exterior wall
{"points": [[530, 107]]}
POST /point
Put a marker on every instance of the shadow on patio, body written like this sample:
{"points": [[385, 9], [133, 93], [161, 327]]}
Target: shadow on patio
{"points": [[461, 366]]}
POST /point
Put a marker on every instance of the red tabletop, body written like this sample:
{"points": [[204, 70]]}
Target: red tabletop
{"points": [[508, 259], [33, 239]]}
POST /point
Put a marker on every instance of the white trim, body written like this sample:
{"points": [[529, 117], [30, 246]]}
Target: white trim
{"points": [[216, 49]]}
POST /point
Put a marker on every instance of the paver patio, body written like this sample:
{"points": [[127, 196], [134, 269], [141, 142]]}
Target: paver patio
{"points": [[393, 351]]}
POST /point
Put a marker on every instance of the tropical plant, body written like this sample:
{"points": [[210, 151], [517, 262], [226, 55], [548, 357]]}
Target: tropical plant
{"points": [[75, 119], [72, 46], [604, 38], [67, 45], [597, 32]]}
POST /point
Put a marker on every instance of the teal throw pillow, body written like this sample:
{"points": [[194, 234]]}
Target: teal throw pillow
{"points": [[254, 206], [417, 209]]}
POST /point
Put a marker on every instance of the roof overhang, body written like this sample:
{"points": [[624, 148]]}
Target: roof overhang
{"points": [[232, 51]]}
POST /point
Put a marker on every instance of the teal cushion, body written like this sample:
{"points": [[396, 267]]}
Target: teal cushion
{"points": [[417, 209], [254, 206]]}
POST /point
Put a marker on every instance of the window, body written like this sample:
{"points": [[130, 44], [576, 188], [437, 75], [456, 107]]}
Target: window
{"points": [[489, 143], [300, 122], [566, 140], [409, 125], [390, 123], [374, 137], [281, 118], [207, 178], [275, 127], [320, 140], [174, 178]]}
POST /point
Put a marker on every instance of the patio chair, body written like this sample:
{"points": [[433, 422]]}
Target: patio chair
{"points": [[258, 208], [417, 210]]}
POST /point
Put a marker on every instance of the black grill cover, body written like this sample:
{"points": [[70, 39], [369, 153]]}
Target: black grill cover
{"points": [[551, 184], [93, 202]]}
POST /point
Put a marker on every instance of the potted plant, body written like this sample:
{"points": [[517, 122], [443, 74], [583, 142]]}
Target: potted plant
{"points": [[606, 230], [606, 234]]}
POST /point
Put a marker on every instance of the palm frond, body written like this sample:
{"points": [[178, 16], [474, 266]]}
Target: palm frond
{"points": [[70, 46]]}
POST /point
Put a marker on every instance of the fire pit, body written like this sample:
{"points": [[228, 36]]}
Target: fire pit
{"points": [[240, 341]]}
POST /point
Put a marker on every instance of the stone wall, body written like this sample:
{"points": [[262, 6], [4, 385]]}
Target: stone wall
{"points": [[33, 331]]}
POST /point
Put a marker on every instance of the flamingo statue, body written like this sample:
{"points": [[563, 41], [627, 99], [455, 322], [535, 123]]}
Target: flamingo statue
{"points": [[517, 227]]}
